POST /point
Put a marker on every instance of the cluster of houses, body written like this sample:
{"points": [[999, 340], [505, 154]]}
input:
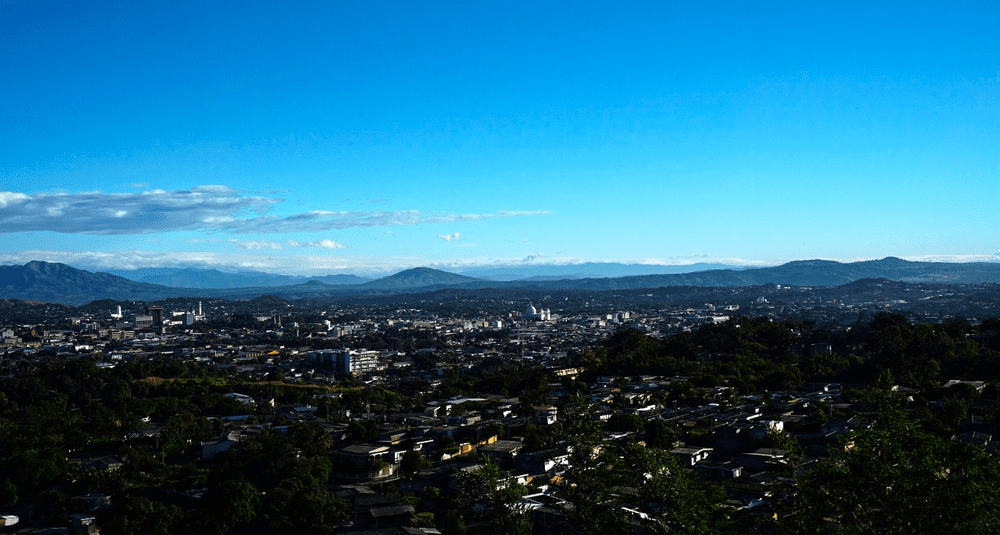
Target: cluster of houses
{"points": [[725, 438]]}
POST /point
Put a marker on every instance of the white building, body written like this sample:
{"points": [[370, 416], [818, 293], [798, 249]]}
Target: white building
{"points": [[348, 361], [531, 314]]}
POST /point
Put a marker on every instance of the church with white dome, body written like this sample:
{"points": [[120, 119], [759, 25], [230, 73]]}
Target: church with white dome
{"points": [[531, 314]]}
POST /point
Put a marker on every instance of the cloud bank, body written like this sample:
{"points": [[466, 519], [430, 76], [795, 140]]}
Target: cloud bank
{"points": [[218, 208]]}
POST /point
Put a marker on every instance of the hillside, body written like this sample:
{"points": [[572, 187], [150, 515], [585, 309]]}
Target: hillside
{"points": [[60, 283]]}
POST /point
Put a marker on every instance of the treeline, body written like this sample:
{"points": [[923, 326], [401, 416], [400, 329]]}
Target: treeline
{"points": [[756, 354]]}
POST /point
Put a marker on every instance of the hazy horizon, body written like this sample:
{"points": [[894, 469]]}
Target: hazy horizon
{"points": [[324, 138], [489, 272]]}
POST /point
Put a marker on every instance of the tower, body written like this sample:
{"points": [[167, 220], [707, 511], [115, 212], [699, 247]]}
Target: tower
{"points": [[157, 314]]}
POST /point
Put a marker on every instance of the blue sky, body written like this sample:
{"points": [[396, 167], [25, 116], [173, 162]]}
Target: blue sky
{"points": [[364, 137]]}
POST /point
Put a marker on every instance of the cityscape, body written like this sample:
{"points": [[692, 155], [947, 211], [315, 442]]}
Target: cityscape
{"points": [[501, 410], [469, 268]]}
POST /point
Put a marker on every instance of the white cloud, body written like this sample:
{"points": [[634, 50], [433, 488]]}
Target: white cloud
{"points": [[324, 220], [952, 258], [322, 244], [209, 207], [451, 237], [326, 244], [9, 197], [256, 244], [319, 264], [143, 212]]}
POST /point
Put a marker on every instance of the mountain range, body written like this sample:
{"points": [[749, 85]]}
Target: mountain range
{"points": [[213, 278], [61, 283], [586, 270]]}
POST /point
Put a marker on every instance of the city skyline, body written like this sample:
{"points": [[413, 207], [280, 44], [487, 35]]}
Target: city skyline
{"points": [[331, 138]]}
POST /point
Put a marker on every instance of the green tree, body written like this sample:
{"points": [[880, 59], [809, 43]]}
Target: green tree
{"points": [[135, 514], [228, 504], [311, 438], [363, 430], [660, 434], [295, 506], [183, 429], [646, 489], [412, 463], [494, 501], [897, 478], [8, 493], [52, 507]]}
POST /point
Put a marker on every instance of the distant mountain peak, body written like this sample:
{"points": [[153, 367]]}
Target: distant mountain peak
{"points": [[269, 300], [893, 261], [418, 277], [42, 266], [421, 270]]}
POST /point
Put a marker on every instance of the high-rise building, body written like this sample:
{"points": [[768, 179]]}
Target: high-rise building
{"points": [[358, 363], [157, 314]]}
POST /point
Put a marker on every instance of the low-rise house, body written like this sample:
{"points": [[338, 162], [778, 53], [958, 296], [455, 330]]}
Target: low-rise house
{"points": [[544, 461], [107, 462], [760, 430], [464, 419], [842, 426], [502, 450], [391, 436], [732, 436], [363, 462], [762, 459], [692, 456], [716, 471], [83, 523], [545, 415]]}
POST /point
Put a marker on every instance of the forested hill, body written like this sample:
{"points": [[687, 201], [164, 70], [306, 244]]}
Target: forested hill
{"points": [[60, 283]]}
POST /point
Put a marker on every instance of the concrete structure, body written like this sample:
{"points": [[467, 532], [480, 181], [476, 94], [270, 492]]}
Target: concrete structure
{"points": [[156, 313], [358, 363]]}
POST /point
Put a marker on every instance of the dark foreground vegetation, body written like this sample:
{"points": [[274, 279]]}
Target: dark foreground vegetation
{"points": [[73, 432]]}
